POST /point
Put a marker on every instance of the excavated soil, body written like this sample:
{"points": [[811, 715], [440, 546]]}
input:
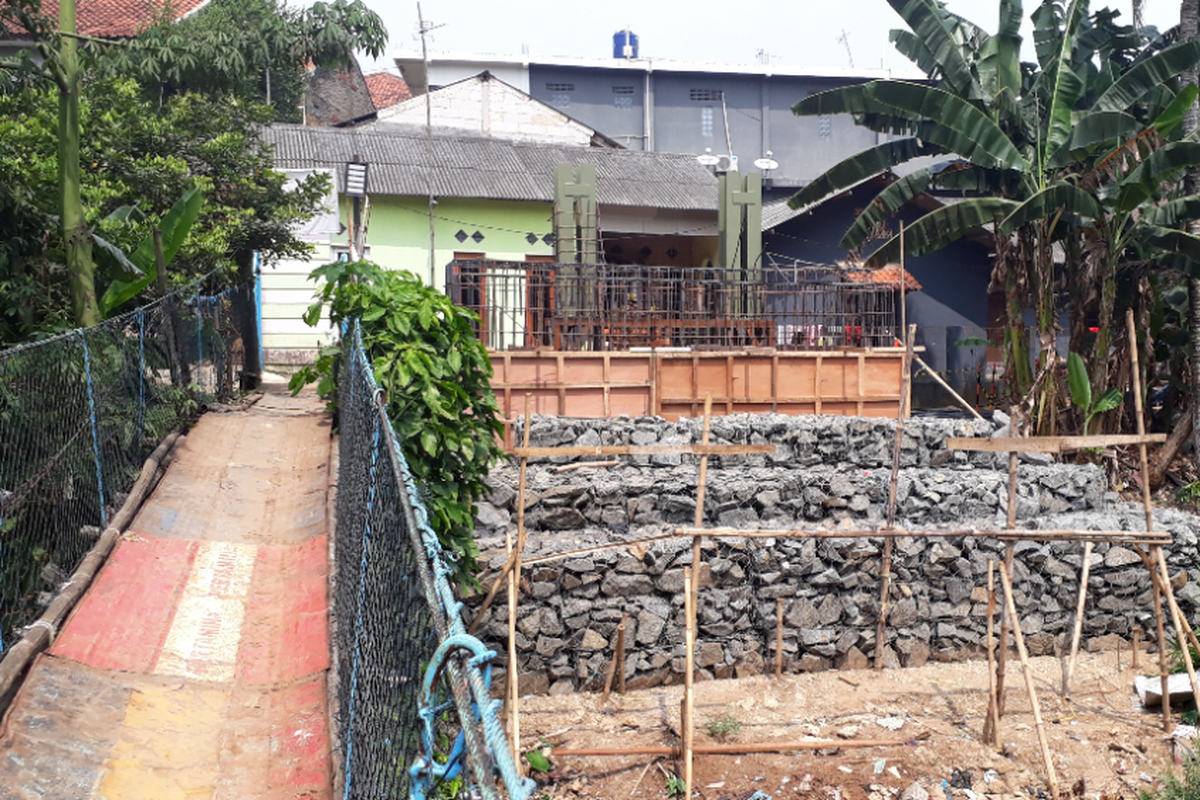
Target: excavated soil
{"points": [[1104, 745]]}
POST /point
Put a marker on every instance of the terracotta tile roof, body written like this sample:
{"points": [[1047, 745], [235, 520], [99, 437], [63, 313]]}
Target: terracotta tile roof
{"points": [[889, 274], [119, 19], [387, 89]]}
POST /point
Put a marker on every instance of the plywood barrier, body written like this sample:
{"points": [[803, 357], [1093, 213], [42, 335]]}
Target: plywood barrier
{"points": [[864, 382]]}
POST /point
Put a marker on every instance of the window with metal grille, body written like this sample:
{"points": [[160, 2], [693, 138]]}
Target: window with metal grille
{"points": [[560, 87], [706, 121], [622, 90], [705, 95], [825, 126]]}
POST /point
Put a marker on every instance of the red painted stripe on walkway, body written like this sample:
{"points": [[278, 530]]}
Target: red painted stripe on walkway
{"points": [[124, 617], [284, 635]]}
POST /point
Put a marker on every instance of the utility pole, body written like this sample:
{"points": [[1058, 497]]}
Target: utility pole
{"points": [[424, 29]]}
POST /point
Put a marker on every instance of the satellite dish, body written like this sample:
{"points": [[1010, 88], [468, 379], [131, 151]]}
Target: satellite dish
{"points": [[766, 163], [708, 160]]}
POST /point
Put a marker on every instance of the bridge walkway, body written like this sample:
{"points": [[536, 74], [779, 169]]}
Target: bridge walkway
{"points": [[195, 666]]}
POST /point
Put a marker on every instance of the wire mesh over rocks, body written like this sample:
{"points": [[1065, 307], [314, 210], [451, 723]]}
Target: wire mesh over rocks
{"points": [[80, 413]]}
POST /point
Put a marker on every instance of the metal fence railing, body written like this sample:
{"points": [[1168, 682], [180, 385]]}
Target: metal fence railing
{"points": [[79, 414], [413, 715], [617, 307]]}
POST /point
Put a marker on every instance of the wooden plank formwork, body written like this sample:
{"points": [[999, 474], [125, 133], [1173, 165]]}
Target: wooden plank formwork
{"points": [[864, 382]]}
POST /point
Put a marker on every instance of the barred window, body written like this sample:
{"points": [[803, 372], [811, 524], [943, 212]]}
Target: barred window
{"points": [[705, 95], [560, 87]]}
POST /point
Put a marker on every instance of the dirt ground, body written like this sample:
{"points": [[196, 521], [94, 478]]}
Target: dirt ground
{"points": [[1104, 745]]}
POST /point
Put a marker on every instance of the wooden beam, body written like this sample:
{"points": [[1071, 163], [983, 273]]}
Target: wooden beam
{"points": [[1049, 444], [646, 450]]}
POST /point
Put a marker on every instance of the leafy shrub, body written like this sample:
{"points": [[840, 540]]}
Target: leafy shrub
{"points": [[435, 373], [1177, 788]]}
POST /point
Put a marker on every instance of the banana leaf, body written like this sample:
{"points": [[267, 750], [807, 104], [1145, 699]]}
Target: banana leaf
{"points": [[1048, 203], [928, 21], [885, 204], [175, 226], [939, 228], [1141, 78], [859, 167]]}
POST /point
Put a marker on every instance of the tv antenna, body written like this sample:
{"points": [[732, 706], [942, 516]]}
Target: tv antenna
{"points": [[845, 40]]}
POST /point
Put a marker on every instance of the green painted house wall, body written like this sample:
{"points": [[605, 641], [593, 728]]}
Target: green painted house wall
{"points": [[398, 232]]}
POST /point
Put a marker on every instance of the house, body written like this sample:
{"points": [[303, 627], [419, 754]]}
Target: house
{"points": [[103, 19], [952, 300], [483, 105], [741, 110], [386, 89], [493, 198]]}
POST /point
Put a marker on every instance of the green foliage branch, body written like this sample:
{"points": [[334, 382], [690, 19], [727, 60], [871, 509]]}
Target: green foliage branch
{"points": [[435, 374]]}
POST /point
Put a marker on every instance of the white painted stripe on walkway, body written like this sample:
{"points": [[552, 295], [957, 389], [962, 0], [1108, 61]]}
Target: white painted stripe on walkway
{"points": [[207, 630]]}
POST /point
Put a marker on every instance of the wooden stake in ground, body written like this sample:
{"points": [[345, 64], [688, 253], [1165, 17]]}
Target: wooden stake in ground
{"points": [[514, 578], [1137, 645], [1011, 524], [1180, 624], [885, 564], [1047, 760], [617, 658], [701, 486], [991, 725], [689, 705], [1135, 380], [1069, 677], [778, 637]]}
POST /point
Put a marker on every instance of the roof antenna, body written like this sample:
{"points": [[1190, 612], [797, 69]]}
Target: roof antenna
{"points": [[845, 39]]}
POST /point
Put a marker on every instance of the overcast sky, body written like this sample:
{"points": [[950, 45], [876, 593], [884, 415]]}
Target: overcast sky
{"points": [[798, 33]]}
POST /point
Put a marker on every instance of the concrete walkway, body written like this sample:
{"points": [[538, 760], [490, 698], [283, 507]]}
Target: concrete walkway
{"points": [[195, 666]]}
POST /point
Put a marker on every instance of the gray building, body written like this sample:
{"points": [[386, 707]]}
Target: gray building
{"points": [[741, 110]]}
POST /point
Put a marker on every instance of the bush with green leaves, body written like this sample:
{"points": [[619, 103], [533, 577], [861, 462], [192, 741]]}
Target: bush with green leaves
{"points": [[1174, 787], [435, 373]]}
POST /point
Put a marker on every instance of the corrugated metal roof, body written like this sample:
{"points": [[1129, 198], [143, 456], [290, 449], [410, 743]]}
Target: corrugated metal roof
{"points": [[494, 169]]}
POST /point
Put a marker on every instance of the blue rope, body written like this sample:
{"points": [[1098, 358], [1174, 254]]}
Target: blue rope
{"points": [[87, 368], [141, 374], [358, 617]]}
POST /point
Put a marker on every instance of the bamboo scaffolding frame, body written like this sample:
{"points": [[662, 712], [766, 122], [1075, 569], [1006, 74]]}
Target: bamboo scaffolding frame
{"points": [[738, 748], [885, 568], [1069, 675], [514, 581]]}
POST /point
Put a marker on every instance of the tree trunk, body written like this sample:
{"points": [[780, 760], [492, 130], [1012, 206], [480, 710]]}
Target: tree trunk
{"points": [[1187, 29], [77, 240]]}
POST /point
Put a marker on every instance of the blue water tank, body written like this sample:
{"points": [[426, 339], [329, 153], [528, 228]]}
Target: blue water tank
{"points": [[625, 44]]}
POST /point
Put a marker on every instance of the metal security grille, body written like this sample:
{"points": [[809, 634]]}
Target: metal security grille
{"points": [[398, 635], [80, 413], [617, 307]]}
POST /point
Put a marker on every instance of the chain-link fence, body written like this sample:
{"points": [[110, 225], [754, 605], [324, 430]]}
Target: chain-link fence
{"points": [[413, 713], [80, 413]]}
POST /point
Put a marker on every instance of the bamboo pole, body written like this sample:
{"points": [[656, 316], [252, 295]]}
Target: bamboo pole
{"points": [[1047, 760], [689, 706], [991, 726], [612, 664], [1069, 676], [736, 748], [514, 578], [778, 637], [1011, 524], [885, 564], [1137, 645], [946, 386], [621, 656], [1135, 380], [701, 487], [1180, 625]]}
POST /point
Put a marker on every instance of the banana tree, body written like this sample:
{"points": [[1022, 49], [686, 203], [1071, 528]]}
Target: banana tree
{"points": [[1013, 138]]}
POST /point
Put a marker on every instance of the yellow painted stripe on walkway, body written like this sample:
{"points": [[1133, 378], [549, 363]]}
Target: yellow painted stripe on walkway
{"points": [[203, 640], [168, 746]]}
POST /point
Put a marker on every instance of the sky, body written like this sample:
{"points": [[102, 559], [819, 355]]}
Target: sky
{"points": [[795, 33]]}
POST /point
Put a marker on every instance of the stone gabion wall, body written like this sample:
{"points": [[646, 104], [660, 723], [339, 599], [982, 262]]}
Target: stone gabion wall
{"points": [[828, 472]]}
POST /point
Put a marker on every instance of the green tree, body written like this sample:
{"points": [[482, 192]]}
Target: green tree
{"points": [[435, 374], [325, 33], [139, 154], [1038, 150]]}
